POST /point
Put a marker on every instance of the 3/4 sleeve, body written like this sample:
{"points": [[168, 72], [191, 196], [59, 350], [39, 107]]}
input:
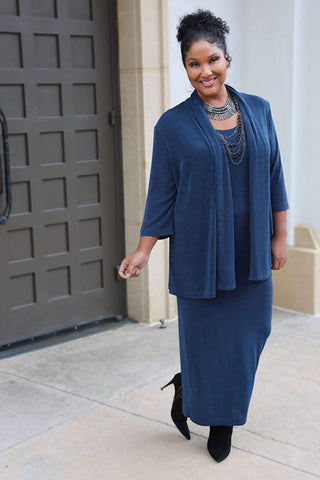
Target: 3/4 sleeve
{"points": [[158, 215], [279, 200]]}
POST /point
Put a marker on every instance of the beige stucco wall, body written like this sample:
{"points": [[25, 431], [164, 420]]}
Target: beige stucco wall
{"points": [[144, 80], [297, 285]]}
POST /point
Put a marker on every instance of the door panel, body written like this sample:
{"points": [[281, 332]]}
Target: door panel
{"points": [[61, 244]]}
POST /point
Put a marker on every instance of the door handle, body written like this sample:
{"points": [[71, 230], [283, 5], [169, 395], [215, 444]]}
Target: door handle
{"points": [[5, 214]]}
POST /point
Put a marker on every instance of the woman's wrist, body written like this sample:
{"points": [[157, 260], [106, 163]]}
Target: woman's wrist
{"points": [[280, 234], [280, 224], [146, 244]]}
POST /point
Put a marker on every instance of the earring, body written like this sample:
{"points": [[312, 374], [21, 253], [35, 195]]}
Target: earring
{"points": [[228, 78], [189, 87]]}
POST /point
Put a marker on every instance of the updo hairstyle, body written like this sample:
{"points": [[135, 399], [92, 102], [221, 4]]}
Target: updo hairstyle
{"points": [[202, 24]]}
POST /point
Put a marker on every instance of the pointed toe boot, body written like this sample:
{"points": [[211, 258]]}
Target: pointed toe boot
{"points": [[219, 442], [177, 416]]}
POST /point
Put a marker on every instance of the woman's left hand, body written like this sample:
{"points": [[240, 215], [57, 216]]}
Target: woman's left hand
{"points": [[279, 251]]}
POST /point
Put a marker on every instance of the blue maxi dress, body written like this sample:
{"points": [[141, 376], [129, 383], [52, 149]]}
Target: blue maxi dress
{"points": [[221, 338]]}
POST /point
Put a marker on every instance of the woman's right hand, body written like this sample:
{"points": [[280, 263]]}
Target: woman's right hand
{"points": [[131, 265]]}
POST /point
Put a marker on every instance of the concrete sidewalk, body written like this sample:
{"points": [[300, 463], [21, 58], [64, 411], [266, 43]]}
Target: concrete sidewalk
{"points": [[92, 409]]}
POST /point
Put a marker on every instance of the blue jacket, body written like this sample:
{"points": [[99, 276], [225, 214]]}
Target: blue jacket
{"points": [[190, 197]]}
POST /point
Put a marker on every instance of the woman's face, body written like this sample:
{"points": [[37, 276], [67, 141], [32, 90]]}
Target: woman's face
{"points": [[206, 68]]}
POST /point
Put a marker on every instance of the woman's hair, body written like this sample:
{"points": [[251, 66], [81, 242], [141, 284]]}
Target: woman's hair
{"points": [[202, 24]]}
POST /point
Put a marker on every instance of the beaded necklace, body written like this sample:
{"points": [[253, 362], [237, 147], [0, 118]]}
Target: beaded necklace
{"points": [[234, 144]]}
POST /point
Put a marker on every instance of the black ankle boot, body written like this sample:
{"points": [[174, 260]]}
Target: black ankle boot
{"points": [[219, 441], [177, 416]]}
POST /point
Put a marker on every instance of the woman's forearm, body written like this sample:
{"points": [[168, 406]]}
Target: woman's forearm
{"points": [[280, 223], [279, 246], [146, 244]]}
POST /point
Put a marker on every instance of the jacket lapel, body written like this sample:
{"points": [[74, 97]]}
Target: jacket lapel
{"points": [[224, 221], [259, 192]]}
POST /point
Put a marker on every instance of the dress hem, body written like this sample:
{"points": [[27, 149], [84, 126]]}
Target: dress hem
{"points": [[237, 423]]}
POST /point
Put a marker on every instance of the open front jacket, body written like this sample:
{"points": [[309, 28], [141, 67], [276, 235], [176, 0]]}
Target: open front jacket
{"points": [[190, 197]]}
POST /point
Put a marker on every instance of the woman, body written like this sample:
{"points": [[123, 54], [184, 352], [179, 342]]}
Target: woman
{"points": [[217, 190]]}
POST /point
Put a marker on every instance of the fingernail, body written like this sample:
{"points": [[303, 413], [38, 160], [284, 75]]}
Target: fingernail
{"points": [[127, 275]]}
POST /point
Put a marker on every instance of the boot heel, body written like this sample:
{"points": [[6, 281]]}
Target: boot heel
{"points": [[167, 385]]}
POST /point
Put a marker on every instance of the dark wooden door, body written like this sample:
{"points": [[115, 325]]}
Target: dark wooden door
{"points": [[58, 85]]}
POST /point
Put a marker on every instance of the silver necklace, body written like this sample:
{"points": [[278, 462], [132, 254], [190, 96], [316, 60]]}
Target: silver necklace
{"points": [[221, 113], [234, 144]]}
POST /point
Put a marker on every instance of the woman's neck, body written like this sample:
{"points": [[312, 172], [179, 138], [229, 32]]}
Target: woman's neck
{"points": [[217, 100]]}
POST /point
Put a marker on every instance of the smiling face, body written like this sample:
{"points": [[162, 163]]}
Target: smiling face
{"points": [[206, 67]]}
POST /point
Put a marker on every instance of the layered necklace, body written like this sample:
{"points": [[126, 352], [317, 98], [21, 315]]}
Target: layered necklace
{"points": [[234, 144]]}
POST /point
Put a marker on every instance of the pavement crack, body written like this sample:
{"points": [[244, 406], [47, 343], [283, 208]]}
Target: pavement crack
{"points": [[276, 440], [292, 467]]}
